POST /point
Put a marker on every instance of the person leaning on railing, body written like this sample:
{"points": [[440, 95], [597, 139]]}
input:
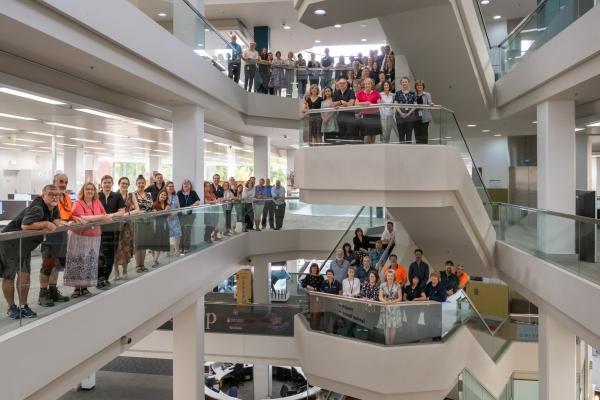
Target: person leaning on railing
{"points": [[351, 284], [331, 285], [250, 57], [15, 255], [423, 114], [290, 65], [405, 118], [301, 76], [187, 198], [248, 203]]}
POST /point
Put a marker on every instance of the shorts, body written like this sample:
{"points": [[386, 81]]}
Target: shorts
{"points": [[258, 210], [11, 261]]}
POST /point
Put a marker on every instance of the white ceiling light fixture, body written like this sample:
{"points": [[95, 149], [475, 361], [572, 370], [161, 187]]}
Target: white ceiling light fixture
{"points": [[31, 96], [363, 25], [7, 129], [85, 140], [317, 41], [471, 125], [485, 130], [162, 15], [30, 140], [40, 133], [485, 2], [579, 129], [165, 144], [94, 148], [208, 140], [337, 26], [115, 144], [68, 144], [222, 144], [99, 113], [497, 16], [141, 148], [534, 122], [143, 140], [39, 151], [147, 125], [161, 151], [78, 128], [497, 135], [12, 116], [109, 134], [593, 124], [17, 144], [320, 12], [286, 27], [363, 40]]}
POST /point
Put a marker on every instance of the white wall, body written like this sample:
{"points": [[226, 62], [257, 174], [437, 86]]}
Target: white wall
{"points": [[496, 31], [24, 172], [491, 154]]}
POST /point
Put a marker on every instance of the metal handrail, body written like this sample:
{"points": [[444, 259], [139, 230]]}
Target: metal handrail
{"points": [[371, 302], [379, 105], [520, 25], [23, 234], [337, 245], [552, 213]]}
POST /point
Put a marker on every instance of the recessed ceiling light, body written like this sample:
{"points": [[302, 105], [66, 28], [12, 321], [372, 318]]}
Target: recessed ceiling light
{"points": [[320, 11], [447, 137], [68, 145], [17, 144], [485, 130], [7, 129], [29, 140], [534, 122], [337, 26], [115, 144], [165, 144], [471, 125], [147, 125], [40, 133], [94, 148], [206, 30], [287, 27], [162, 14], [143, 140], [79, 128], [85, 140], [363, 25], [497, 134], [485, 2], [208, 140], [99, 113], [579, 129], [363, 40], [45, 147], [593, 124], [16, 117], [31, 96], [317, 41], [497, 16], [109, 134]]}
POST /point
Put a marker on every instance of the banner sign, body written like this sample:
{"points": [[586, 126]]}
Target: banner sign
{"points": [[249, 319]]}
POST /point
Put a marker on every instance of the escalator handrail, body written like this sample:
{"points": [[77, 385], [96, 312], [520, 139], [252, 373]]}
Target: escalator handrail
{"points": [[339, 242], [548, 212]]}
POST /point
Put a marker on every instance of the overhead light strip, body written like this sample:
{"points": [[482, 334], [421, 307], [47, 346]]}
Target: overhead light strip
{"points": [[31, 96]]}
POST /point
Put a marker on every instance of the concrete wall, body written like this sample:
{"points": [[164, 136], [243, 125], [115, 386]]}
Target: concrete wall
{"points": [[491, 154]]}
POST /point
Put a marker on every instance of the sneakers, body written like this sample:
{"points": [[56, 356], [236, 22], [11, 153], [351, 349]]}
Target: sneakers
{"points": [[27, 312], [56, 295], [13, 312], [45, 300]]}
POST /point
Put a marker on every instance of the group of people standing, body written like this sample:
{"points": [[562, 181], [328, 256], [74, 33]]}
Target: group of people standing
{"points": [[103, 245]]}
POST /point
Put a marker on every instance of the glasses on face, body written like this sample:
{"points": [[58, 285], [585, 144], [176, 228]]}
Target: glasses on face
{"points": [[53, 195]]}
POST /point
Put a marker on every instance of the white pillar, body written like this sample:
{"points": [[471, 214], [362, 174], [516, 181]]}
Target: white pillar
{"points": [[262, 156], [583, 146], [261, 280], [74, 167], [557, 360], [154, 164], [188, 353], [188, 146], [261, 379], [556, 175]]}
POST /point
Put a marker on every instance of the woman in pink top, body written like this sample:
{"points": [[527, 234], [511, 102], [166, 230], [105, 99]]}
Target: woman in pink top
{"points": [[370, 125], [81, 268]]}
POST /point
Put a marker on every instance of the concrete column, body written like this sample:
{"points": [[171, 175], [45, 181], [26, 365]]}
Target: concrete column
{"points": [[261, 381], [187, 26], [74, 167], [583, 146], [557, 360], [262, 156], [597, 164], [188, 146], [188, 353], [556, 175], [261, 280]]}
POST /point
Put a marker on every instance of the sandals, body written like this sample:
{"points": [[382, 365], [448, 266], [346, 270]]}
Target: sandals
{"points": [[76, 293]]}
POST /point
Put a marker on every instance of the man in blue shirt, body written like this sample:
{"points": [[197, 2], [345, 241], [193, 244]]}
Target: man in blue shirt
{"points": [[260, 194], [269, 209], [339, 266], [278, 193], [331, 285], [376, 253], [235, 62]]}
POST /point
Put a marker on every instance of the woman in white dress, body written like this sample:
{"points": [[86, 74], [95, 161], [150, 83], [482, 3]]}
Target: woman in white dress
{"points": [[390, 293], [388, 122]]}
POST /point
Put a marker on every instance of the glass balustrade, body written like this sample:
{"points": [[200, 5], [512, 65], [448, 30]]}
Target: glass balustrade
{"points": [[133, 245]]}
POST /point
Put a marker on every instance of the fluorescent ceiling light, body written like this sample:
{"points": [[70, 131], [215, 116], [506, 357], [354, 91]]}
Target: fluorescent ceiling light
{"points": [[363, 40], [45, 147], [337, 26], [206, 30], [16, 117], [94, 148], [39, 151], [8, 148], [317, 41], [79, 128], [68, 145], [447, 137], [7, 129], [579, 129], [237, 148], [109, 134], [161, 151], [143, 140], [141, 148], [471, 125], [497, 16], [221, 144], [593, 124], [208, 140], [17, 144], [165, 144], [320, 11], [147, 125], [40, 133], [534, 122], [162, 14], [29, 140], [485, 2], [99, 113], [363, 25], [85, 140], [115, 144], [287, 27], [31, 96], [485, 130], [497, 134]]}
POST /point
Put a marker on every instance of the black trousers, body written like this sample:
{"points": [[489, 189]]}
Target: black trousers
{"points": [[249, 215], [279, 214], [249, 73], [234, 71], [301, 87], [108, 247], [268, 211], [405, 129], [421, 132], [228, 219], [187, 224]]}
